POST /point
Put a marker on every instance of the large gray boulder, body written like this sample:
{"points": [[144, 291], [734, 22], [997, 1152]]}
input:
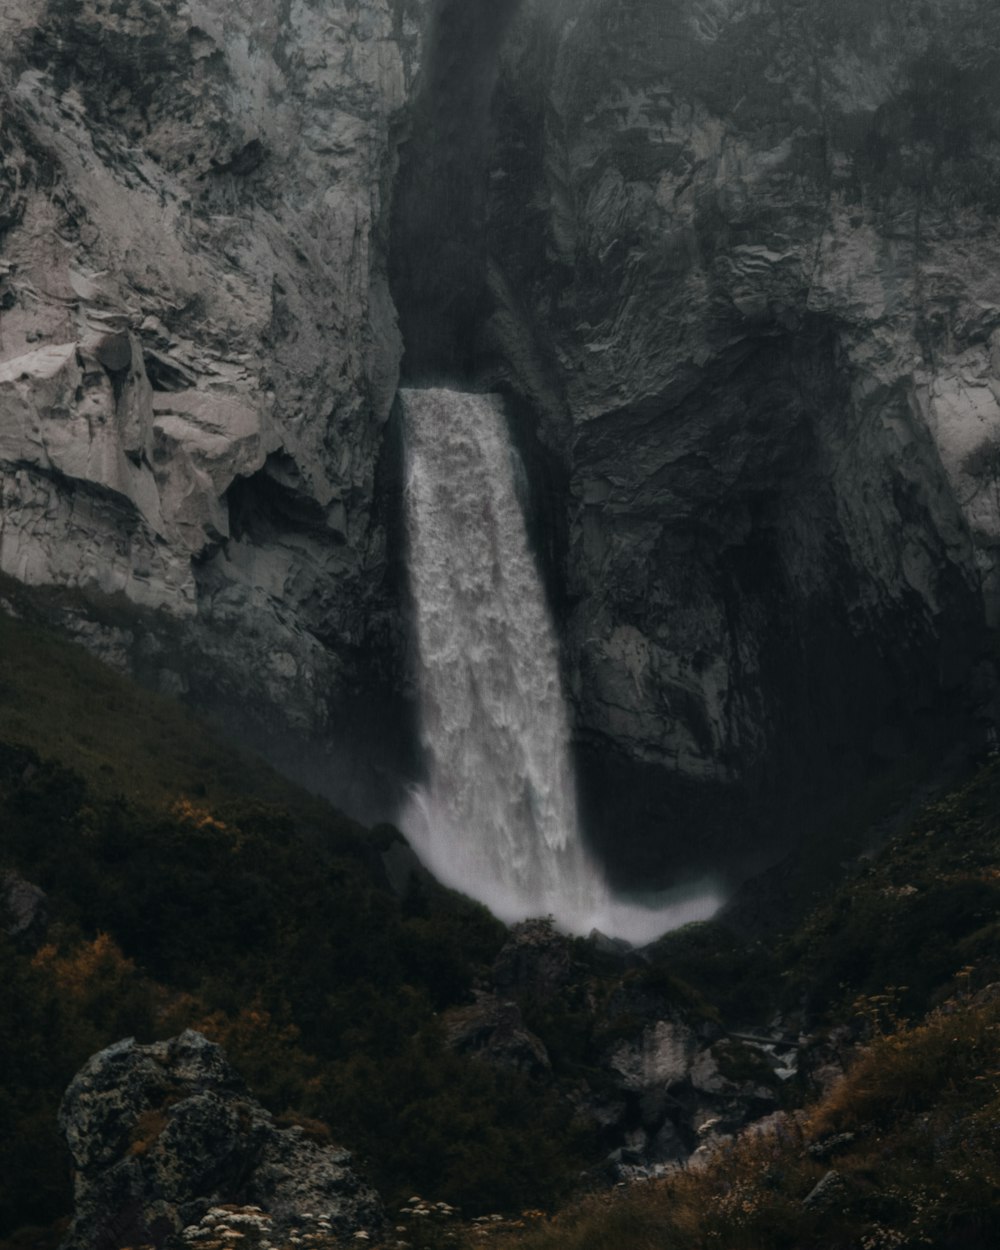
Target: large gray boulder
{"points": [[162, 1134]]}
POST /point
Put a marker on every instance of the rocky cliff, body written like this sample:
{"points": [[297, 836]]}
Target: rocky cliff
{"points": [[735, 262], [198, 352], [744, 265]]}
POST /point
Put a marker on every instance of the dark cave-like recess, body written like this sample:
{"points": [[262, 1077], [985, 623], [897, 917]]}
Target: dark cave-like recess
{"points": [[439, 243]]}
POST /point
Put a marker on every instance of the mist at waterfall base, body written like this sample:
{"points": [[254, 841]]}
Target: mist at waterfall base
{"points": [[497, 817]]}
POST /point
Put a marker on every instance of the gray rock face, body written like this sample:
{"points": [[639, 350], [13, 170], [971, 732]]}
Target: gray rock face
{"points": [[736, 262], [161, 1134], [679, 1082], [199, 352], [745, 261]]}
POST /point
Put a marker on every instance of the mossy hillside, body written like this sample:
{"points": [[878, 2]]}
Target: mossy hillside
{"points": [[903, 924], [180, 896], [914, 920], [124, 740]]}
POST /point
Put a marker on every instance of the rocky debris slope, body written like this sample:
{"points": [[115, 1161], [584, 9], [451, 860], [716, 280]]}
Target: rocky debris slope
{"points": [[162, 1135], [198, 352], [654, 1073], [745, 261]]}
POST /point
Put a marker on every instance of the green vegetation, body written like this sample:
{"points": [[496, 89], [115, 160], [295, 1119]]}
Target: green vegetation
{"points": [[915, 917], [121, 739], [906, 1149], [189, 886]]}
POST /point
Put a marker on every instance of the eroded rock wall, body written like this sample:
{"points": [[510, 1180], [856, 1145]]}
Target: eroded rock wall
{"points": [[198, 351], [745, 264]]}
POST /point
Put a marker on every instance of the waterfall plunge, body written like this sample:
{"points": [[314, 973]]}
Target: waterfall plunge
{"points": [[497, 816]]}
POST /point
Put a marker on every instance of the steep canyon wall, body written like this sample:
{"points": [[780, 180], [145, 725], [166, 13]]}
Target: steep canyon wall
{"points": [[735, 263], [745, 265], [198, 351]]}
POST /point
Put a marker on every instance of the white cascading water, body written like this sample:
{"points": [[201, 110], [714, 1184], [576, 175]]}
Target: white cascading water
{"points": [[496, 817]]}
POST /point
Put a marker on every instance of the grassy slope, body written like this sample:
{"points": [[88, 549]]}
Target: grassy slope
{"points": [[908, 954], [190, 885], [66, 705]]}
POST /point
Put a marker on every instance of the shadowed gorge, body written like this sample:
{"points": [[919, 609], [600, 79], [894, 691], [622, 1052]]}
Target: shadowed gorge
{"points": [[439, 245]]}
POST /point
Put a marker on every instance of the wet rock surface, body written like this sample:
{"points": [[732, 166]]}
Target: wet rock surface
{"points": [[162, 1134], [199, 353]]}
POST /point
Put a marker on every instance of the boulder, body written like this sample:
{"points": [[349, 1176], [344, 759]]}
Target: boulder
{"points": [[828, 1189], [161, 1134], [535, 961]]}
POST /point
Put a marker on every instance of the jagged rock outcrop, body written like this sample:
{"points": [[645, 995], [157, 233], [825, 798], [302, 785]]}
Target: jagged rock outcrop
{"points": [[198, 352], [673, 1079], [493, 1030], [534, 962], [162, 1134]]}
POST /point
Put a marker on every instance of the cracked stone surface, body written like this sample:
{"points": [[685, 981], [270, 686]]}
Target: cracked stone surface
{"points": [[162, 1134]]}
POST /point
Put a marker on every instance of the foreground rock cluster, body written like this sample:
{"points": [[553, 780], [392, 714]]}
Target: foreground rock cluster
{"points": [[664, 1080], [161, 1136]]}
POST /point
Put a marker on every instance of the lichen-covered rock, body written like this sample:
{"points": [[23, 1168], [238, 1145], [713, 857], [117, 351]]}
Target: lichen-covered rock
{"points": [[662, 1054], [160, 1134]]}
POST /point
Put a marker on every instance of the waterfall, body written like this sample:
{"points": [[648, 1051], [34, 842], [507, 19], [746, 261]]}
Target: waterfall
{"points": [[496, 816]]}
